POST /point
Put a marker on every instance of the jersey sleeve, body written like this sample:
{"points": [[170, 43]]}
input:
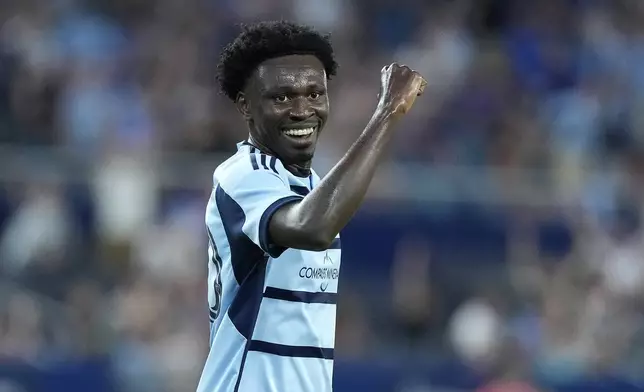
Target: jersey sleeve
{"points": [[256, 195]]}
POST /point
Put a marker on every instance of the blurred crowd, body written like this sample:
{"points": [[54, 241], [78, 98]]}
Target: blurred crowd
{"points": [[102, 247]]}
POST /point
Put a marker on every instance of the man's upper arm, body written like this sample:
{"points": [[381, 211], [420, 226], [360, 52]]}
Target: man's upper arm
{"points": [[256, 195]]}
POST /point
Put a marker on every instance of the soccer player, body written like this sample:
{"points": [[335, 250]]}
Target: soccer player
{"points": [[273, 224]]}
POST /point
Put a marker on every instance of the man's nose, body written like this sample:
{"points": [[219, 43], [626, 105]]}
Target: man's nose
{"points": [[301, 109]]}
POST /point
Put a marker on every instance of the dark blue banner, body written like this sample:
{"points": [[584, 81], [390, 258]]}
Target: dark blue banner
{"points": [[71, 376], [349, 376]]}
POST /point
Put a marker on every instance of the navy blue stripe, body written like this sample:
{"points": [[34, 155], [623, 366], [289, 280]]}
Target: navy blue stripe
{"points": [[336, 244], [300, 296], [264, 239], [291, 351], [311, 181], [244, 254], [244, 310], [300, 190], [249, 264], [262, 157], [272, 163], [253, 159]]}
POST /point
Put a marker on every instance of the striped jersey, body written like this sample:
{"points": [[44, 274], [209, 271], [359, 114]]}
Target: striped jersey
{"points": [[272, 309]]}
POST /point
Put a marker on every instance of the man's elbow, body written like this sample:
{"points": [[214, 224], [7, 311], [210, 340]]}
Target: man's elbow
{"points": [[315, 238], [291, 230], [320, 243]]}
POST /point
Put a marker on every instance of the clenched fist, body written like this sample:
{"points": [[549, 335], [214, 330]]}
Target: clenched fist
{"points": [[399, 88]]}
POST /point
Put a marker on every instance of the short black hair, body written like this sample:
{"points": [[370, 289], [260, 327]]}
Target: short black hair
{"points": [[266, 40]]}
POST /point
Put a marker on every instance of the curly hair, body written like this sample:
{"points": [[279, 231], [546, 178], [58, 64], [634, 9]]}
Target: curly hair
{"points": [[266, 40]]}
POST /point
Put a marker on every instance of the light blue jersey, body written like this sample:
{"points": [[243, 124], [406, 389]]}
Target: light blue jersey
{"points": [[272, 310]]}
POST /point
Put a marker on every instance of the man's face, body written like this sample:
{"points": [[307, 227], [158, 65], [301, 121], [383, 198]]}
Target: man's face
{"points": [[287, 105]]}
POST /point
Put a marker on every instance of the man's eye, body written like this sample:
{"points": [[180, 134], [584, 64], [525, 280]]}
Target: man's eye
{"points": [[281, 98], [314, 95]]}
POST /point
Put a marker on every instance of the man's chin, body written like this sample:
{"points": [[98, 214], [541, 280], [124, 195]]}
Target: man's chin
{"points": [[300, 158], [298, 152]]}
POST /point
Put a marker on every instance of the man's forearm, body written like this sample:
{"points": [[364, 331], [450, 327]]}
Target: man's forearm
{"points": [[332, 203], [314, 222]]}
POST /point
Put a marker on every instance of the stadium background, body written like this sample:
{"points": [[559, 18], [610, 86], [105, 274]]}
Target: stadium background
{"points": [[501, 241]]}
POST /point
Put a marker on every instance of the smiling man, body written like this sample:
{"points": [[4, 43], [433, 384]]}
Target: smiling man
{"points": [[273, 224]]}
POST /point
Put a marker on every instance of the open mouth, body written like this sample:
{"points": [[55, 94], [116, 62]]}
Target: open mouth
{"points": [[300, 133]]}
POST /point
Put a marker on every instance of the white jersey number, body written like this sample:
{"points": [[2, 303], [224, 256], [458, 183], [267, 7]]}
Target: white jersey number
{"points": [[215, 303]]}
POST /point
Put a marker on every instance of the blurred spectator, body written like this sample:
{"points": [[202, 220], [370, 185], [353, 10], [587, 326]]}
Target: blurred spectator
{"points": [[475, 332], [125, 197], [22, 329], [413, 306], [38, 235]]}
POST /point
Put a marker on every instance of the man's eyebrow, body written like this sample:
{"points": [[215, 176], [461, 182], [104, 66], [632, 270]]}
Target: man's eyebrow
{"points": [[290, 87]]}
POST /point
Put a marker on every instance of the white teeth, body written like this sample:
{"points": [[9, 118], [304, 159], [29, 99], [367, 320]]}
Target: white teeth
{"points": [[299, 132]]}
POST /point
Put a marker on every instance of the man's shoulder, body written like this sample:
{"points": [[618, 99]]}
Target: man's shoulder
{"points": [[248, 165]]}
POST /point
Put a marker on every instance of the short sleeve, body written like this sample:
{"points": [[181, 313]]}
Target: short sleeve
{"points": [[255, 196]]}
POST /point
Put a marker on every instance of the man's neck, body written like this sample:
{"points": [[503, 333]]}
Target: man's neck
{"points": [[298, 169]]}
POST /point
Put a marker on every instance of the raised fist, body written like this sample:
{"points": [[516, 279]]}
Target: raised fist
{"points": [[399, 88]]}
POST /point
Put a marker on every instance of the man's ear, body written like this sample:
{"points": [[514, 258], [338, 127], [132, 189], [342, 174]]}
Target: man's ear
{"points": [[243, 105]]}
